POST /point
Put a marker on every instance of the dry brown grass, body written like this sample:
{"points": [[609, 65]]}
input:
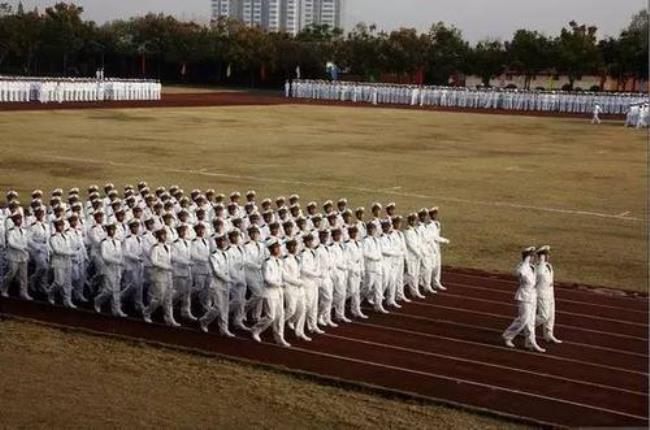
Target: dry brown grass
{"points": [[53, 379], [478, 168]]}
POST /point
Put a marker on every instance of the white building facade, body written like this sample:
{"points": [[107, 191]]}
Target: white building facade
{"points": [[281, 15]]}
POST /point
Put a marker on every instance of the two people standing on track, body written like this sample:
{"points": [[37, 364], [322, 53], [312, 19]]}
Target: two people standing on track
{"points": [[535, 299]]}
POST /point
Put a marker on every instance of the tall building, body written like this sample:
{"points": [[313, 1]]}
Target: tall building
{"points": [[280, 15]]}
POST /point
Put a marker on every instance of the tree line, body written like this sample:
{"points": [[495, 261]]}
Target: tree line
{"points": [[60, 42]]}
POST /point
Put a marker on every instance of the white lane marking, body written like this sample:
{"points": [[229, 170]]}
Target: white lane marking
{"points": [[624, 214], [482, 363], [508, 318], [510, 306], [510, 294], [493, 330], [560, 290], [468, 382], [261, 179], [501, 348]]}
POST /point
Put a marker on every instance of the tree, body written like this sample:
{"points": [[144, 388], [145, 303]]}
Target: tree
{"points": [[63, 32], [447, 53], [405, 51], [528, 53], [576, 51], [488, 60], [362, 52]]}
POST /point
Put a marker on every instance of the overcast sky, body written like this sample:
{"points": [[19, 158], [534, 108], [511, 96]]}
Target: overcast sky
{"points": [[476, 18]]}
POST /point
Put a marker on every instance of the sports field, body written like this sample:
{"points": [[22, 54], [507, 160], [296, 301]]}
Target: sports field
{"points": [[502, 182]]}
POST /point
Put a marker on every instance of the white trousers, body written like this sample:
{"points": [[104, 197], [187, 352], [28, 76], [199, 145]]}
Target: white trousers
{"points": [[375, 288], [161, 294], [546, 314], [15, 271], [183, 294], [311, 303], [294, 299], [339, 290], [525, 322], [110, 289], [325, 298], [274, 299], [354, 293], [219, 301]]}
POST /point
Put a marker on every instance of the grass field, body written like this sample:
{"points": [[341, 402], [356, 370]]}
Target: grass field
{"points": [[502, 182], [53, 379]]}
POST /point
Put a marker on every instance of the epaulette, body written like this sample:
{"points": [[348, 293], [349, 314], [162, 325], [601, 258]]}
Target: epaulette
{"points": [[104, 239], [348, 241], [267, 258], [176, 240], [285, 257]]}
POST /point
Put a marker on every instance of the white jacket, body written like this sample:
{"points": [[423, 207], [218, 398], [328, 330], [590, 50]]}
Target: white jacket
{"points": [[219, 266], [309, 265], [526, 273], [161, 257], [372, 254], [200, 254], [61, 251], [17, 245], [111, 252], [544, 280], [133, 251], [182, 258], [291, 271], [272, 272], [354, 257], [236, 263]]}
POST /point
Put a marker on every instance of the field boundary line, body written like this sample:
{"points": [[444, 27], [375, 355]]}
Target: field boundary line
{"points": [[202, 172]]}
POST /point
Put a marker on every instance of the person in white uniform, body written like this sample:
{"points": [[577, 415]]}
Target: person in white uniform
{"points": [[112, 263], [545, 294], [17, 258], [61, 253], [219, 301], [526, 298], [294, 291], [272, 272], [161, 293]]}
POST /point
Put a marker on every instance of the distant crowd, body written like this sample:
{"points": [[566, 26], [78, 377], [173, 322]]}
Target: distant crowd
{"points": [[465, 98], [66, 90]]}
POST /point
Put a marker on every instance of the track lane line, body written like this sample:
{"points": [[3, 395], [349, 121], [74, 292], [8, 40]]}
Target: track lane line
{"points": [[500, 348], [586, 316], [511, 294], [492, 365], [505, 317], [492, 330]]}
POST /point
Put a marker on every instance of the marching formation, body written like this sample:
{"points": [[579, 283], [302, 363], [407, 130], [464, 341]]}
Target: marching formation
{"points": [[207, 257], [464, 98], [65, 90]]}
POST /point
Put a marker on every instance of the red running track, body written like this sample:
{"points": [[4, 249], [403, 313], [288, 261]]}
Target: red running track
{"points": [[447, 349]]}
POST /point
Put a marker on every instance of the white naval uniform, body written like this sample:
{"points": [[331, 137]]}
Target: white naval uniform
{"points": [[17, 257], [294, 294], [373, 268], [414, 256], [325, 286], [338, 273], [201, 278], [236, 260], [254, 256], [310, 276], [219, 291], [133, 250], [526, 298], [61, 253], [272, 272], [161, 293], [38, 237], [182, 276], [354, 256], [545, 298], [112, 263]]}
